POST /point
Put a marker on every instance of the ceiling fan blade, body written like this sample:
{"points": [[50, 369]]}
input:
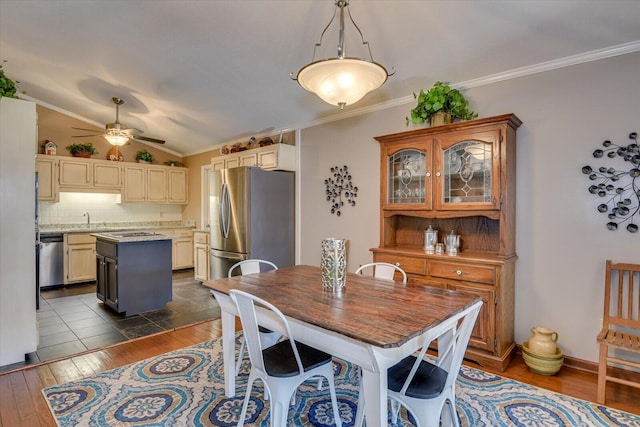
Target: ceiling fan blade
{"points": [[86, 136], [146, 138], [88, 130]]}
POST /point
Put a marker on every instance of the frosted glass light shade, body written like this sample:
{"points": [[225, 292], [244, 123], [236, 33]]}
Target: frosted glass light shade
{"points": [[342, 81], [117, 140]]}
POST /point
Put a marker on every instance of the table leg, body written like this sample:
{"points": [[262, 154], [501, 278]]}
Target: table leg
{"points": [[228, 352], [374, 387]]}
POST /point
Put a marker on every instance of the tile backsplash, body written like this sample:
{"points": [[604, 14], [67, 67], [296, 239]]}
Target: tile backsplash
{"points": [[103, 208]]}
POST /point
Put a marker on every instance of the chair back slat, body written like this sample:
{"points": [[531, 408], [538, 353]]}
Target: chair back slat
{"points": [[622, 295]]}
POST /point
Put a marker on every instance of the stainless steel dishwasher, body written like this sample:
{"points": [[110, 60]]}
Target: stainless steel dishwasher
{"points": [[50, 268]]}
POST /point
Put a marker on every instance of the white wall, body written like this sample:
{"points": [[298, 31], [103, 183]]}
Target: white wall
{"points": [[562, 241]]}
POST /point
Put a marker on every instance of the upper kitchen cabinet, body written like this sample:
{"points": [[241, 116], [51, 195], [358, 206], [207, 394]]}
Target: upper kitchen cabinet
{"points": [[270, 157], [47, 169], [177, 180], [155, 184], [90, 174]]}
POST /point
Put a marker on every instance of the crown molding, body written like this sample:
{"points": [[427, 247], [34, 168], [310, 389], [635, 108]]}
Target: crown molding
{"points": [[568, 61]]}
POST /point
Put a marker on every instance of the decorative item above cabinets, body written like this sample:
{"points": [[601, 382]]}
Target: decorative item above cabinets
{"points": [[270, 157]]}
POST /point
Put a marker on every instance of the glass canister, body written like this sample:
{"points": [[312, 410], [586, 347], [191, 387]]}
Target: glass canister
{"points": [[430, 239], [334, 264]]}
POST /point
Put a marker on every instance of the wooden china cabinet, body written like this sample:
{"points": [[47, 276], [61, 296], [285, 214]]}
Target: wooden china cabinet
{"points": [[459, 177]]}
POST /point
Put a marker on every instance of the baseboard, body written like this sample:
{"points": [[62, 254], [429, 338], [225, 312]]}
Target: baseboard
{"points": [[592, 367]]}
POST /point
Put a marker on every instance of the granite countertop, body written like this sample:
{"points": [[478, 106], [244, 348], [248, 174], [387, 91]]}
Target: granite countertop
{"points": [[104, 227], [130, 236]]}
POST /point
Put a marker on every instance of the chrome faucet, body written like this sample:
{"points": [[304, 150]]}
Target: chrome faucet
{"points": [[88, 218]]}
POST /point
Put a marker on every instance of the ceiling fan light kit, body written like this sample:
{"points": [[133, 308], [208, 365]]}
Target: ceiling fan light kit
{"points": [[342, 80], [118, 134]]}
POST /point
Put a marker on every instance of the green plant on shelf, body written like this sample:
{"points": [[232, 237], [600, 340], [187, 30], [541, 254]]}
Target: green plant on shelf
{"points": [[82, 150], [145, 156], [440, 98]]}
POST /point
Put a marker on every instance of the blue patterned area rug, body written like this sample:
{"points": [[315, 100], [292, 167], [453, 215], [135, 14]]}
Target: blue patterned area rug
{"points": [[186, 388]]}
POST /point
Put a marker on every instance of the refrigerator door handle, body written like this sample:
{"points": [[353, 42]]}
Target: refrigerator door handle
{"points": [[224, 211], [228, 255]]}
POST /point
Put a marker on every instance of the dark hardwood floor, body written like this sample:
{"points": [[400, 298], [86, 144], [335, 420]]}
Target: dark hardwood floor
{"points": [[22, 403]]}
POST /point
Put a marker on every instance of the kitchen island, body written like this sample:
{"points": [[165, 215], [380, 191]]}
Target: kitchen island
{"points": [[133, 270]]}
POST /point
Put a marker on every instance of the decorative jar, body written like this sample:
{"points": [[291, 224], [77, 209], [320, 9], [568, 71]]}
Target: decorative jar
{"points": [[334, 264]]}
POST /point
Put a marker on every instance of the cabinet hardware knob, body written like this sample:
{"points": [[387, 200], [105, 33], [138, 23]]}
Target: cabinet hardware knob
{"points": [[428, 174], [398, 264], [458, 272], [437, 173]]}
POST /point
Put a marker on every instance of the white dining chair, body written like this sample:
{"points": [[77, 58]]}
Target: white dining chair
{"points": [[252, 266], [423, 387], [382, 270], [283, 366]]}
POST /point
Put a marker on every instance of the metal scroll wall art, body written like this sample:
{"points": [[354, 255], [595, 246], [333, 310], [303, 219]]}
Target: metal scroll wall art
{"points": [[339, 187], [618, 187]]}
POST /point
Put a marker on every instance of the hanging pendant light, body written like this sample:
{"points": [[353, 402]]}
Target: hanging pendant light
{"points": [[342, 80]]}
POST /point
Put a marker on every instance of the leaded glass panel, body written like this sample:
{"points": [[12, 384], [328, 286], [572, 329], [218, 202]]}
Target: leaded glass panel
{"points": [[467, 173], [407, 177]]}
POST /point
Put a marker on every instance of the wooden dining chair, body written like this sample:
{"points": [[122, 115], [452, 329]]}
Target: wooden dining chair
{"points": [[283, 366], [252, 266], [619, 338], [382, 270], [423, 387]]}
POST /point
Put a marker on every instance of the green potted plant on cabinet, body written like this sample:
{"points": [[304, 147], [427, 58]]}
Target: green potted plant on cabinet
{"points": [[143, 156], [439, 105], [82, 150], [8, 87]]}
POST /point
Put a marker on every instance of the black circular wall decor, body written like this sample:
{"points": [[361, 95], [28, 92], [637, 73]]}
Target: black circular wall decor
{"points": [[619, 188], [339, 185]]}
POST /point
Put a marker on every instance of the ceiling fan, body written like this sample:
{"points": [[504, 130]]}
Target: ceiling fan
{"points": [[118, 134]]}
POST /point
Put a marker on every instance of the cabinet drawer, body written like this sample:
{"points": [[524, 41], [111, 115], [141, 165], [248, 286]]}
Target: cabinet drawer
{"points": [[466, 272], [408, 264], [183, 232], [201, 238], [75, 239]]}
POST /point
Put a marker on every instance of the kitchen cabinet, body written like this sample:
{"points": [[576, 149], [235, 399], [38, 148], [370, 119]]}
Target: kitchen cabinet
{"points": [[47, 169], [133, 276], [182, 247], [270, 157], [79, 253], [460, 177], [75, 173], [177, 185], [107, 174], [144, 184], [201, 261], [155, 184]]}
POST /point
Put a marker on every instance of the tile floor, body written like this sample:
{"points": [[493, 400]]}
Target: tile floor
{"points": [[73, 320]]}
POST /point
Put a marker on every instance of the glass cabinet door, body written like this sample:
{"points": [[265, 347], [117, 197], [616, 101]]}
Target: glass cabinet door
{"points": [[467, 175], [407, 177]]}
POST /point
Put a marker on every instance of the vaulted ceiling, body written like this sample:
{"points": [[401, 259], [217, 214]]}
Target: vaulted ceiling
{"points": [[199, 73]]}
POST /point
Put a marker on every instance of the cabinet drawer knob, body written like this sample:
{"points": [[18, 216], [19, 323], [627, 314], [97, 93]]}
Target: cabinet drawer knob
{"points": [[398, 264], [458, 272]]}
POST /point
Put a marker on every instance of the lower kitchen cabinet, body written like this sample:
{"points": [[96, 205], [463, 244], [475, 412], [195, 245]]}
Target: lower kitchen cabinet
{"points": [[134, 277], [79, 253], [201, 260], [182, 247]]}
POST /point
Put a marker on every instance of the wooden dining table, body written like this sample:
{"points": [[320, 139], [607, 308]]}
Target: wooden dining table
{"points": [[372, 323]]}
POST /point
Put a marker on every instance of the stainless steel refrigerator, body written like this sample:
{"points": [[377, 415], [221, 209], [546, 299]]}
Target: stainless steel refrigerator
{"points": [[252, 216]]}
